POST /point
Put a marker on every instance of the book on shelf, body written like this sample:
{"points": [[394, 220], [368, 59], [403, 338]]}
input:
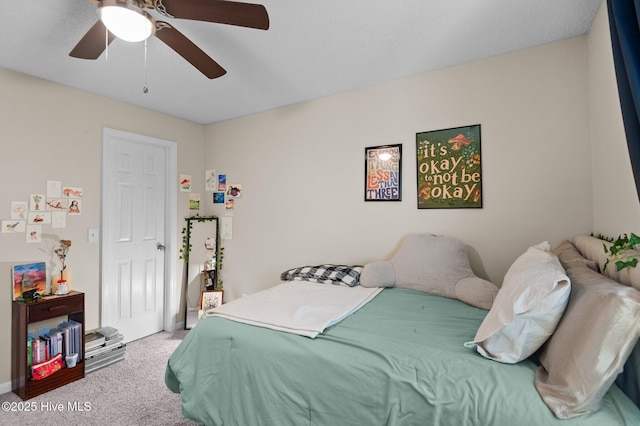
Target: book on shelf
{"points": [[71, 337], [49, 343], [30, 340]]}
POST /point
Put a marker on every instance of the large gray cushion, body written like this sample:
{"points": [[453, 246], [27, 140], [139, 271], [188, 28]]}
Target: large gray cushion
{"points": [[432, 264]]}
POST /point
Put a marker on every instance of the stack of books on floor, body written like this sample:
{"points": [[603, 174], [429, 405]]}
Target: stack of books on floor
{"points": [[102, 347]]}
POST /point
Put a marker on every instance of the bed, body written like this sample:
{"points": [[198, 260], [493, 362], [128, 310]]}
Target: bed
{"points": [[398, 359]]}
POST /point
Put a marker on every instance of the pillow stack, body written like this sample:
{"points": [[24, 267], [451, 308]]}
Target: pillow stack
{"points": [[584, 325], [592, 342]]}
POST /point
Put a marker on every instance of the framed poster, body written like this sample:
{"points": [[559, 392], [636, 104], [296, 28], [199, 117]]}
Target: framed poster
{"points": [[449, 168], [210, 299], [32, 276], [383, 173]]}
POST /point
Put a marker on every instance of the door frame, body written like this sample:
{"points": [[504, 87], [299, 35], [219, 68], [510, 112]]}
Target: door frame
{"points": [[170, 208]]}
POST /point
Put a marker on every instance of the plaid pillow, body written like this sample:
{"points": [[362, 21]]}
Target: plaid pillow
{"points": [[345, 275]]}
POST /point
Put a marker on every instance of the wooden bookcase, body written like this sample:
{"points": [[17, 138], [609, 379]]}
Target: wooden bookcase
{"points": [[23, 314]]}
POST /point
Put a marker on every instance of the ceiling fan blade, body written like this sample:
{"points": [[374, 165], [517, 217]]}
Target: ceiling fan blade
{"points": [[93, 43], [220, 11], [188, 50]]}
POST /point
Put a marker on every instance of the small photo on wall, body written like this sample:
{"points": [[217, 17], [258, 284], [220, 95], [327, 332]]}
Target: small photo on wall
{"points": [[218, 197], [54, 189], [229, 206], [72, 192], [36, 202], [234, 190], [59, 219], [194, 201], [34, 233], [35, 218], [13, 226], [222, 182], [185, 183], [210, 182], [75, 207], [19, 209], [59, 204]]}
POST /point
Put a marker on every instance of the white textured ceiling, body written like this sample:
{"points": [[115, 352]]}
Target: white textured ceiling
{"points": [[312, 49]]}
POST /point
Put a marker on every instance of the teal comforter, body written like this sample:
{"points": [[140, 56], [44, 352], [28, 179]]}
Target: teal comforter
{"points": [[399, 360]]}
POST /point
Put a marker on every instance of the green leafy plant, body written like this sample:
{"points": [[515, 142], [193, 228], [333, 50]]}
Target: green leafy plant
{"points": [[186, 231], [219, 264], [602, 237], [186, 247], [619, 252]]}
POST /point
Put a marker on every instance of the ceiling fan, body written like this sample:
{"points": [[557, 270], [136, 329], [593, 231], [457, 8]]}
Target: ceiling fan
{"points": [[114, 15]]}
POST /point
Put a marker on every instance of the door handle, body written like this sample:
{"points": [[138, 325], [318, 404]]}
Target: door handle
{"points": [[160, 247]]}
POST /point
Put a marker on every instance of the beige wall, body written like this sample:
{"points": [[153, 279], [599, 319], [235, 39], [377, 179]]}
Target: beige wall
{"points": [[52, 132], [302, 167], [616, 206]]}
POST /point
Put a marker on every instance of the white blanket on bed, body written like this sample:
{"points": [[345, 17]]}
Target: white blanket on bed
{"points": [[299, 307]]}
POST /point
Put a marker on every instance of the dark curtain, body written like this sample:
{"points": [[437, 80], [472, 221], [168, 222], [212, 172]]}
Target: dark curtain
{"points": [[625, 40]]}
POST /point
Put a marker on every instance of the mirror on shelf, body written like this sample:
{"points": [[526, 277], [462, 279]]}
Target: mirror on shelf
{"points": [[200, 250]]}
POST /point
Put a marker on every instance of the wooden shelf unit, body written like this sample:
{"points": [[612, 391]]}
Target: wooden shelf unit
{"points": [[23, 314]]}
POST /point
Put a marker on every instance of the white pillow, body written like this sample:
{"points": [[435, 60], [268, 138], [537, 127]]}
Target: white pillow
{"points": [[526, 311]]}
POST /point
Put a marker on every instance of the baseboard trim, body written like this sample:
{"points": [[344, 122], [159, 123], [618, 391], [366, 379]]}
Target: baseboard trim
{"points": [[179, 325], [5, 387]]}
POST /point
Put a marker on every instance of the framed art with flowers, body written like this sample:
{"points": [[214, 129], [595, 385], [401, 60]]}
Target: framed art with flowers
{"points": [[449, 168]]}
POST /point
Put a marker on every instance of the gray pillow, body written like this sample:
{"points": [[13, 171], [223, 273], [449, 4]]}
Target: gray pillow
{"points": [[593, 340], [432, 264], [569, 256]]}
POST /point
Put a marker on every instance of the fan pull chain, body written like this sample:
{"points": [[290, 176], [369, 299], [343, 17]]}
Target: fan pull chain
{"points": [[145, 89], [106, 44]]}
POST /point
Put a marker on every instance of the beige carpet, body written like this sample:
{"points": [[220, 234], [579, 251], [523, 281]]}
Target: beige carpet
{"points": [[130, 392]]}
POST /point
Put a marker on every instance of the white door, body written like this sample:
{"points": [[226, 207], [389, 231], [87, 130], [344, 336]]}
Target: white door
{"points": [[134, 207]]}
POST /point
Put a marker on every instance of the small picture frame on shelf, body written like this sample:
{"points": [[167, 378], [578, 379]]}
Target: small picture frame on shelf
{"points": [[30, 278], [210, 299]]}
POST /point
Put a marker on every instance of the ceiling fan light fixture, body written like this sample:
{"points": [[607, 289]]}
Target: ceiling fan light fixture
{"points": [[126, 21]]}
